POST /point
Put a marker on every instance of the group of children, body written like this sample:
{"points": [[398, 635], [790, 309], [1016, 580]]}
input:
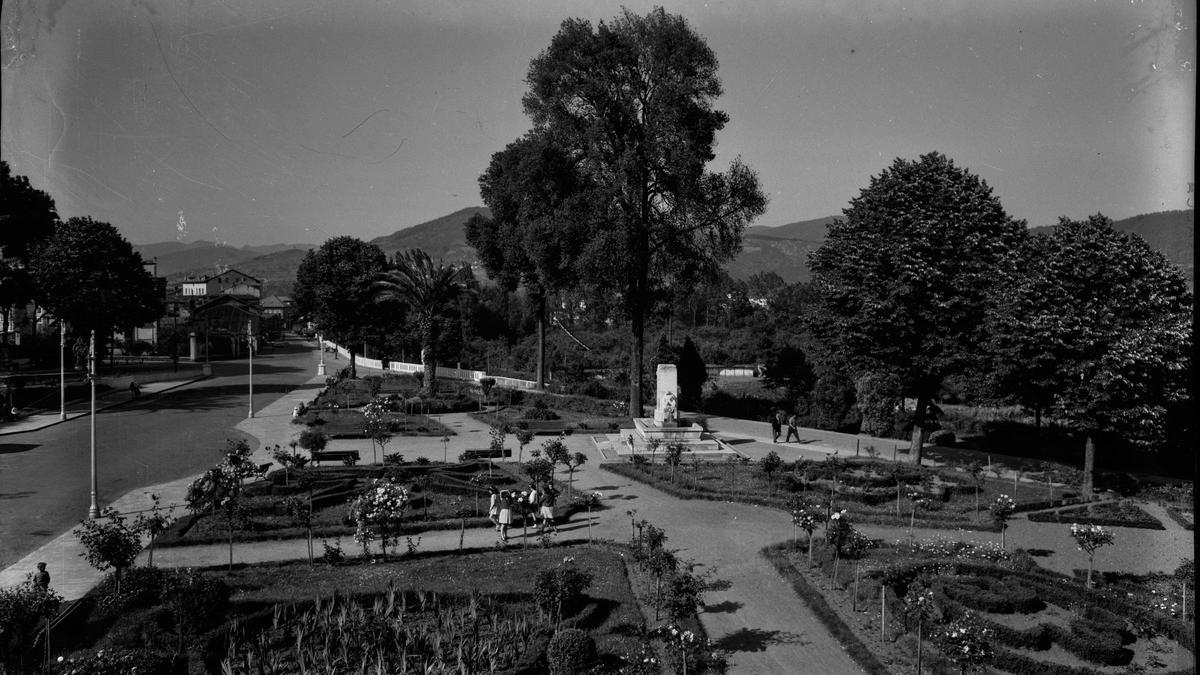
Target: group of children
{"points": [[538, 501]]}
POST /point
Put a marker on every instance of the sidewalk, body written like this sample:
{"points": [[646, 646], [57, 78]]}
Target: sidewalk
{"points": [[75, 409]]}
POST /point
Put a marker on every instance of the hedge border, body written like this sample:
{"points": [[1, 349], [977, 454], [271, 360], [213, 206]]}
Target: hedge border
{"points": [[1175, 515], [859, 652], [626, 470], [1150, 523]]}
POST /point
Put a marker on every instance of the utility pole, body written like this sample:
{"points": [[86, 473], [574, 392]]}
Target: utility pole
{"points": [[250, 354], [62, 370], [93, 510]]}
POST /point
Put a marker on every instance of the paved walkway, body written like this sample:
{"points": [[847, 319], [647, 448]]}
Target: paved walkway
{"points": [[758, 619]]}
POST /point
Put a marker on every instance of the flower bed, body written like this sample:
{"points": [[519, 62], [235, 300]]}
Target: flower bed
{"points": [[1039, 622], [455, 613], [434, 506], [1113, 513], [949, 504]]}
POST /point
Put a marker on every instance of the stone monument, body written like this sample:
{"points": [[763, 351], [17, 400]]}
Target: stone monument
{"points": [[666, 407]]}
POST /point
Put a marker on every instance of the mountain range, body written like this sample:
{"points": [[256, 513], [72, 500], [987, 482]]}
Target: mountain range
{"points": [[783, 249]]}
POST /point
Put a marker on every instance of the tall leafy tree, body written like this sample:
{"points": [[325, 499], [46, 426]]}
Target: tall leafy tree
{"points": [[789, 369], [27, 218], [334, 288], [631, 102], [1100, 325], [534, 235], [88, 275], [904, 277], [429, 289]]}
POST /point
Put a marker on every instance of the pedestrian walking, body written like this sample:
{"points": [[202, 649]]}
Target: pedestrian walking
{"points": [[41, 578], [505, 515], [494, 506], [776, 425], [793, 423]]}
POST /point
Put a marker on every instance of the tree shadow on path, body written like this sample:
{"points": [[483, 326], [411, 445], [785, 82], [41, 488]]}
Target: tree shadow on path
{"points": [[756, 640]]}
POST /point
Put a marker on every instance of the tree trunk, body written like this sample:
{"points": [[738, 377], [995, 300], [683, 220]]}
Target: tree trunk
{"points": [[810, 542], [1089, 465], [429, 366], [541, 342], [353, 368], [637, 332]]}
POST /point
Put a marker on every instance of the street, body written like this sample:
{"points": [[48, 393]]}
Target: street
{"points": [[45, 475]]}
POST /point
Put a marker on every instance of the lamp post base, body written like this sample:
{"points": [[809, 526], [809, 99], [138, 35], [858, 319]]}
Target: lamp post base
{"points": [[321, 369]]}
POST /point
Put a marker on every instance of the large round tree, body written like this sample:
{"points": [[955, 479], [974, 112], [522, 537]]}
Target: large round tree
{"points": [[905, 277], [88, 275], [1098, 324], [334, 289], [631, 104]]}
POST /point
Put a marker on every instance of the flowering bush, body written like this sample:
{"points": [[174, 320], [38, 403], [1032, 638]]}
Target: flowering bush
{"points": [[942, 547], [377, 511], [1089, 539], [558, 591], [967, 643], [690, 653], [109, 544]]}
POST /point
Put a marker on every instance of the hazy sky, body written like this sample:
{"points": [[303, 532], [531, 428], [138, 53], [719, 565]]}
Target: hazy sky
{"points": [[270, 121]]}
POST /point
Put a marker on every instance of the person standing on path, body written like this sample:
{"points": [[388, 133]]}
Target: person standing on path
{"points": [[505, 517], [776, 425], [41, 577], [494, 506], [548, 498], [793, 422]]}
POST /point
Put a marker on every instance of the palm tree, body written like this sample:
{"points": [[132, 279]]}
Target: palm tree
{"points": [[428, 289]]}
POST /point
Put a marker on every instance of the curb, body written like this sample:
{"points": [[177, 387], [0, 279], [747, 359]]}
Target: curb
{"points": [[76, 416]]}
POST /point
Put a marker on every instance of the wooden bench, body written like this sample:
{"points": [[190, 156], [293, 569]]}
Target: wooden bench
{"points": [[333, 455]]}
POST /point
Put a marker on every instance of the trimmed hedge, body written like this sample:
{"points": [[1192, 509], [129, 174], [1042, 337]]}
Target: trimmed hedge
{"points": [[1144, 521]]}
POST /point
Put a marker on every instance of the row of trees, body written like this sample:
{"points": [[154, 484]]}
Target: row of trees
{"points": [[81, 271], [926, 278]]}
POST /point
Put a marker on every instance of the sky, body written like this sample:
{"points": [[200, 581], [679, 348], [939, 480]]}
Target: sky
{"points": [[292, 121]]}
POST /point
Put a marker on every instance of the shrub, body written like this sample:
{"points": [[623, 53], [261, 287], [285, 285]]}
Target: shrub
{"points": [[558, 591], [393, 459], [570, 651], [313, 440], [138, 587], [333, 555], [539, 411], [197, 601]]}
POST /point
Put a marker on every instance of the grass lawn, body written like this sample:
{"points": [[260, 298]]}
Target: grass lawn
{"points": [[1041, 622], [865, 486], [424, 613]]}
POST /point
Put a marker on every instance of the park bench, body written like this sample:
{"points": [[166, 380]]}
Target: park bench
{"points": [[333, 455]]}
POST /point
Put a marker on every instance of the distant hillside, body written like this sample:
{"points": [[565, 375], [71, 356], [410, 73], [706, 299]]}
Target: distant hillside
{"points": [[277, 271], [442, 238], [784, 249], [204, 256]]}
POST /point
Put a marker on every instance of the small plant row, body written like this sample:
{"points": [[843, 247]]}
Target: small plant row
{"points": [[392, 632]]}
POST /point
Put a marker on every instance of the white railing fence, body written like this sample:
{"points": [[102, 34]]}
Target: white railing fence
{"points": [[442, 371]]}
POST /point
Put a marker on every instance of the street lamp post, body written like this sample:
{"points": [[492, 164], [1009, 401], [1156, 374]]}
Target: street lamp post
{"points": [[93, 510], [321, 348], [62, 371], [250, 353]]}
